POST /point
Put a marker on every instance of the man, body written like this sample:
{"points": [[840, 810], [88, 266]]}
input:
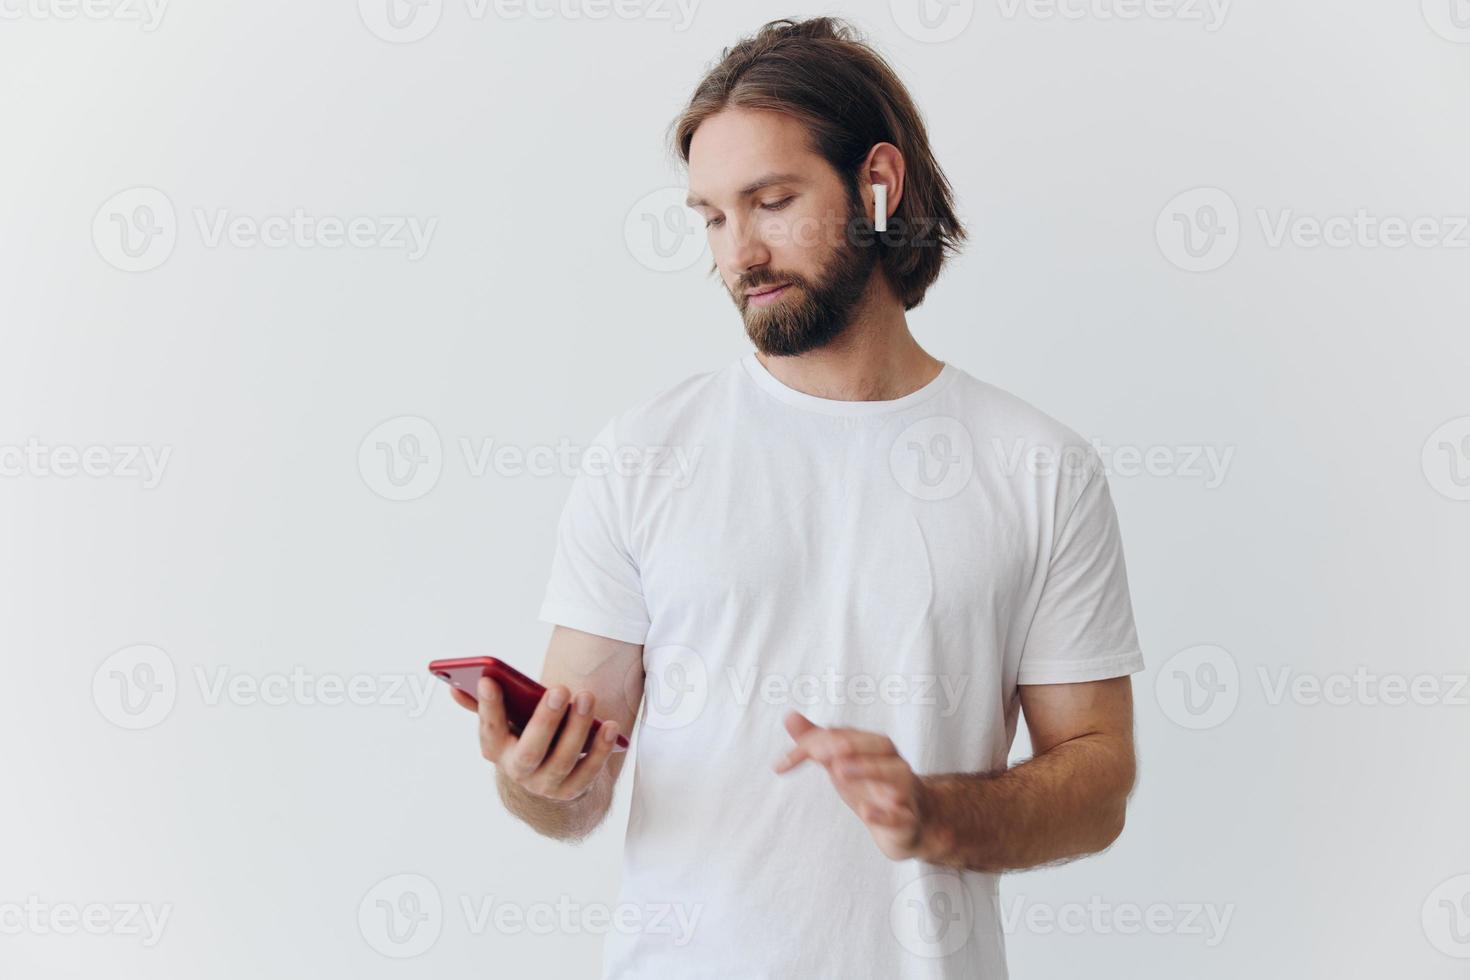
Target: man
{"points": [[907, 554]]}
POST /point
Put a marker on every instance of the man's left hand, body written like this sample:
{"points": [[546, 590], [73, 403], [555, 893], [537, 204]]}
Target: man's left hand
{"points": [[870, 776]]}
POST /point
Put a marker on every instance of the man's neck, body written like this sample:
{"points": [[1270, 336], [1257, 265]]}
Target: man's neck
{"points": [[875, 359]]}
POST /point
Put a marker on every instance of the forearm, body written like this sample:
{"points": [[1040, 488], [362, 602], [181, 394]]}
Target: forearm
{"points": [[1064, 803], [570, 820]]}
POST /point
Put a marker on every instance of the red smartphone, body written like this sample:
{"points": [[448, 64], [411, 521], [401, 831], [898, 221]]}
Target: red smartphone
{"points": [[519, 693]]}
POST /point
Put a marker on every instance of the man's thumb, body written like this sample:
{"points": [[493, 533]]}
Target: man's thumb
{"points": [[798, 724]]}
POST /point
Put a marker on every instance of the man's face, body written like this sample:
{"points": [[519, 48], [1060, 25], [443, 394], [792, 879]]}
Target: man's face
{"points": [[778, 215]]}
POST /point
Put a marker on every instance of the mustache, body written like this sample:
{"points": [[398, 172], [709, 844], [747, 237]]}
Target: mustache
{"points": [[757, 281]]}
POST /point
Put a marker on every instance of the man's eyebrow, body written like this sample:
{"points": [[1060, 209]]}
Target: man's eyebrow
{"points": [[695, 201]]}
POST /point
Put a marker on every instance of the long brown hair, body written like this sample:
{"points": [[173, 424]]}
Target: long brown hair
{"points": [[820, 71]]}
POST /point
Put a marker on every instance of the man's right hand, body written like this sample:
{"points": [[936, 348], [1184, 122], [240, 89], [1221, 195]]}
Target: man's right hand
{"points": [[531, 760]]}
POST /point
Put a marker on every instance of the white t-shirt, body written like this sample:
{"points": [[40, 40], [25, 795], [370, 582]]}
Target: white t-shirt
{"points": [[896, 566]]}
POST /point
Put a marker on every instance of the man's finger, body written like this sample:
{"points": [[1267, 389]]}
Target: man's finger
{"points": [[883, 816], [495, 734], [875, 791], [464, 700], [563, 757], [825, 745], [591, 764], [536, 736], [884, 767], [798, 724]]}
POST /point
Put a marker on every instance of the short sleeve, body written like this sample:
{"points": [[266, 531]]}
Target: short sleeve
{"points": [[594, 584], [1083, 629]]}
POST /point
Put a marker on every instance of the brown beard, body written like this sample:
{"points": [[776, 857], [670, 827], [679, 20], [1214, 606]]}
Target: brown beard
{"points": [[811, 315]]}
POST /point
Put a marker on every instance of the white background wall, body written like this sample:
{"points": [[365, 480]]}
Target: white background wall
{"points": [[1332, 836]]}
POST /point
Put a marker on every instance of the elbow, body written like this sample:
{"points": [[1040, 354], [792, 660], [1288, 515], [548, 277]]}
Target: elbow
{"points": [[1115, 811], [1113, 814], [1110, 827]]}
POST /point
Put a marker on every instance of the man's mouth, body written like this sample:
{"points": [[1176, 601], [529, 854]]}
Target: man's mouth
{"points": [[762, 295]]}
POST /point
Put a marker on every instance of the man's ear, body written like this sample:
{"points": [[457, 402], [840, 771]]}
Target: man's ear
{"points": [[883, 168]]}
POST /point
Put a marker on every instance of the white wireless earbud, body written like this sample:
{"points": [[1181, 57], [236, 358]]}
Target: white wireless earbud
{"points": [[880, 207]]}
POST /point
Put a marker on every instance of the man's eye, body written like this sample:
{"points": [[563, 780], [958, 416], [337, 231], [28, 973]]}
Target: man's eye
{"points": [[773, 206]]}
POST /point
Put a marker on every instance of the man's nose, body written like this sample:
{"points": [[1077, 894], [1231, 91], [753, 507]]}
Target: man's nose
{"points": [[749, 250]]}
